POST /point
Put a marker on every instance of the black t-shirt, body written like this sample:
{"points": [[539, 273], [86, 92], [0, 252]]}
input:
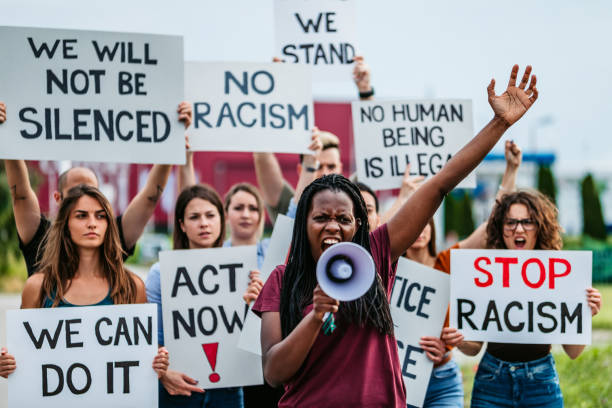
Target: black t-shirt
{"points": [[516, 353], [33, 250]]}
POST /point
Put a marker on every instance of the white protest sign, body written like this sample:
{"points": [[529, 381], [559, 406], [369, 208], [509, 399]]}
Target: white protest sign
{"points": [[425, 133], [249, 107], [280, 241], [203, 314], [91, 96], [419, 302], [320, 33], [95, 356], [521, 296]]}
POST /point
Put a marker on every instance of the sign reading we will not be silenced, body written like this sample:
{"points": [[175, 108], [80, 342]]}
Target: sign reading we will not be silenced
{"points": [[425, 133], [204, 313], [98, 356], [520, 296], [91, 96], [321, 33], [419, 300], [249, 107]]}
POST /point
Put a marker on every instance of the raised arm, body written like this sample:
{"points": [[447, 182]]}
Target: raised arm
{"points": [[361, 76], [508, 108], [309, 164], [186, 172], [409, 186], [142, 206], [269, 177]]}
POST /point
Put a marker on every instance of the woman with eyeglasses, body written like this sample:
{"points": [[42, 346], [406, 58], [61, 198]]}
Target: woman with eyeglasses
{"points": [[522, 220]]}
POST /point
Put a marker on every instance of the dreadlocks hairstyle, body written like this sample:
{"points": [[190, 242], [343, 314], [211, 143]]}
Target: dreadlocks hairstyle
{"points": [[541, 210], [299, 280], [60, 259], [204, 192]]}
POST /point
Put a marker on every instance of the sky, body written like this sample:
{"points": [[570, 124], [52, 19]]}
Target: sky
{"points": [[434, 48]]}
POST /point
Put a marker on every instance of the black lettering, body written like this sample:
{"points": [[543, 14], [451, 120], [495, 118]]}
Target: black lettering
{"points": [[102, 341], [232, 274], [213, 315], [491, 315], [45, 381], [69, 333], [425, 301], [44, 334], [542, 313], [181, 271], [22, 116], [188, 327], [126, 373], [576, 315], [461, 314], [70, 383], [509, 324], [122, 331]]}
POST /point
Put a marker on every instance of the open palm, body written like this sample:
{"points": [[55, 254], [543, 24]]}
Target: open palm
{"points": [[512, 104]]}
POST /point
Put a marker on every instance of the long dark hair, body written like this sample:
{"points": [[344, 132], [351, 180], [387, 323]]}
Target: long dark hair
{"points": [[204, 192], [60, 259], [541, 210], [299, 280]]}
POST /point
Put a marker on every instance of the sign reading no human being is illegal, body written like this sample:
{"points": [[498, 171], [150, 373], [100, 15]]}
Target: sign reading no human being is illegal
{"points": [[91, 96], [425, 133]]}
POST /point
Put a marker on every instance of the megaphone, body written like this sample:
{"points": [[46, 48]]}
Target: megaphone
{"points": [[345, 271]]}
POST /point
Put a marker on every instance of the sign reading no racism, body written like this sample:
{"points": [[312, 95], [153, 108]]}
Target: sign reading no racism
{"points": [[419, 302], [91, 96], [98, 356], [520, 296], [425, 133], [321, 33], [249, 107], [203, 314]]}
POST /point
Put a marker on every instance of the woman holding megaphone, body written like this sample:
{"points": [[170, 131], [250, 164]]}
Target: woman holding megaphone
{"points": [[358, 363]]}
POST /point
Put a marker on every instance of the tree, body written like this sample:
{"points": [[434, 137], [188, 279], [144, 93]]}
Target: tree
{"points": [[592, 216], [9, 243], [546, 182]]}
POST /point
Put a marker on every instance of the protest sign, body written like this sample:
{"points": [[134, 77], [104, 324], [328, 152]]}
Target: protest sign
{"points": [[419, 302], [91, 96], [278, 249], [98, 356], [425, 133], [249, 107], [521, 296], [320, 33], [203, 314]]}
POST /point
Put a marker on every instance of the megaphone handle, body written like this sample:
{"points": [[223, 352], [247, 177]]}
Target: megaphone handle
{"points": [[329, 323]]}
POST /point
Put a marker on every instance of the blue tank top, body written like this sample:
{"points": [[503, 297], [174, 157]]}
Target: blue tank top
{"points": [[107, 301]]}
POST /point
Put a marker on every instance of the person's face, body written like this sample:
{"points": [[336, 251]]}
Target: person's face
{"points": [[87, 223], [423, 240], [370, 202], [243, 215], [76, 176], [520, 230], [330, 220], [201, 223], [330, 163]]}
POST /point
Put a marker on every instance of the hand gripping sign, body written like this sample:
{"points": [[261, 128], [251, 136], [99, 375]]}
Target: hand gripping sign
{"points": [[204, 313], [520, 296]]}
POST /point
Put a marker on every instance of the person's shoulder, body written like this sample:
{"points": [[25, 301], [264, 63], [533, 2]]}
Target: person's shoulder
{"points": [[31, 291], [34, 282]]}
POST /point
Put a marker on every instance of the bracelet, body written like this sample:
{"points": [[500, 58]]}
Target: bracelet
{"points": [[367, 94]]}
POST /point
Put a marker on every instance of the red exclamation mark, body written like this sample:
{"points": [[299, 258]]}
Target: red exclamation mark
{"points": [[210, 349]]}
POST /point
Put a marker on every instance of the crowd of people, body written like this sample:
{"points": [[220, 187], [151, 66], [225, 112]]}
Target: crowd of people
{"points": [[77, 259]]}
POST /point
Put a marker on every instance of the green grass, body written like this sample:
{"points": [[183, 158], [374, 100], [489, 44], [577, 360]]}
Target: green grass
{"points": [[585, 382], [603, 320]]}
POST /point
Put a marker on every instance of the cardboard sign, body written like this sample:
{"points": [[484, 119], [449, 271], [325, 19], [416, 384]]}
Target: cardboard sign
{"points": [[321, 33], [95, 356], [249, 107], [280, 242], [91, 96], [419, 302], [520, 296], [425, 133], [203, 314]]}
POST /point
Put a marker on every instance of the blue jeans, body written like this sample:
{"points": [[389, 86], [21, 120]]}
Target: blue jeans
{"points": [[217, 398], [445, 389], [503, 384]]}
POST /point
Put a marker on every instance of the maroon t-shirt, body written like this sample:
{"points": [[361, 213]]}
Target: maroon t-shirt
{"points": [[352, 367]]}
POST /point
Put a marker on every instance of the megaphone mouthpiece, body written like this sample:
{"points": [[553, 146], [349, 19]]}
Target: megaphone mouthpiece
{"points": [[339, 268]]}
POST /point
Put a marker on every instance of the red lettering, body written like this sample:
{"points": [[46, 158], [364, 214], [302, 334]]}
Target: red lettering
{"points": [[489, 280], [542, 273], [506, 269], [552, 274]]}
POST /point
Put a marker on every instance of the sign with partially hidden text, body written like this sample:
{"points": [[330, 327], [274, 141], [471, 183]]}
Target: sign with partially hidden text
{"points": [[418, 306], [91, 96], [249, 107], [521, 296], [203, 314], [321, 33], [425, 133], [97, 356]]}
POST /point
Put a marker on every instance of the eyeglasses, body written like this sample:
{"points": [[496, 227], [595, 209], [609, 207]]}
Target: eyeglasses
{"points": [[511, 224]]}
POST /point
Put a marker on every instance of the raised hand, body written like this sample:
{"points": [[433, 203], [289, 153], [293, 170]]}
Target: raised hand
{"points": [[594, 299], [410, 184], [185, 113], [361, 74], [515, 101], [513, 154], [321, 303], [255, 286], [2, 112]]}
